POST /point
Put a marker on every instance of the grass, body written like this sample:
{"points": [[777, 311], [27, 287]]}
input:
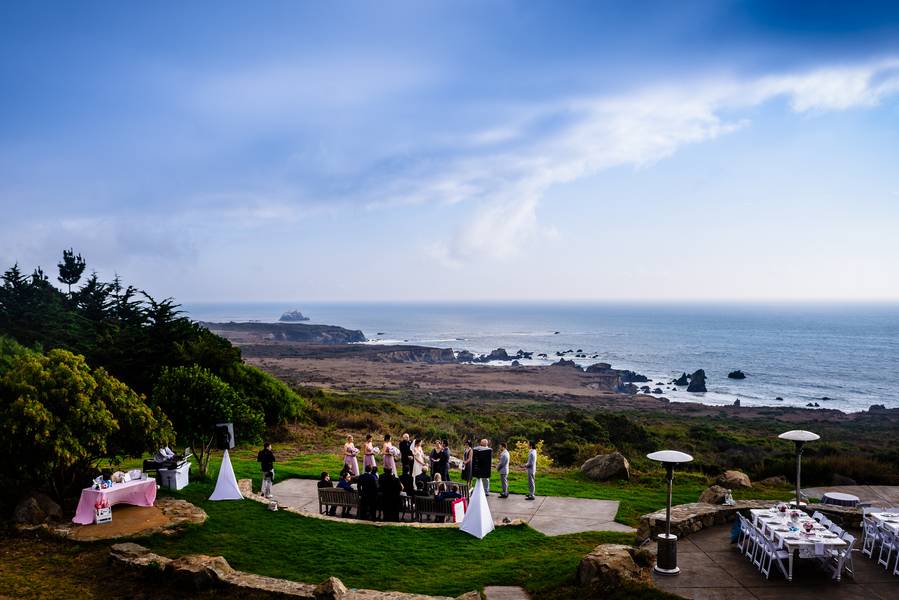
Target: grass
{"points": [[427, 561]]}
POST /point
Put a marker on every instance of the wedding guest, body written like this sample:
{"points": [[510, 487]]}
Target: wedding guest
{"points": [[451, 494], [349, 456], [390, 487], [266, 458], [406, 454], [325, 482], [467, 455], [503, 468], [345, 484], [368, 458], [368, 495], [446, 460], [439, 486], [435, 456], [374, 473], [485, 481]]}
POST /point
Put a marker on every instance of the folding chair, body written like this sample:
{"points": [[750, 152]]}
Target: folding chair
{"points": [[773, 553], [888, 543], [870, 536]]}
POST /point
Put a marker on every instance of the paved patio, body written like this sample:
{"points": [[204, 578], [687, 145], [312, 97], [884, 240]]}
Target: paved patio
{"points": [[550, 515], [877, 495], [713, 569]]}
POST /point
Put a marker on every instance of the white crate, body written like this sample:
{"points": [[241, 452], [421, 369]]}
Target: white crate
{"points": [[103, 515]]}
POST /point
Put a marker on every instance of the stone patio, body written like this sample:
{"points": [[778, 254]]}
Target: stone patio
{"points": [[713, 568], [550, 515]]}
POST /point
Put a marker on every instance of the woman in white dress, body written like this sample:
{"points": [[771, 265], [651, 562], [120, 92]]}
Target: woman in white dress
{"points": [[418, 461]]}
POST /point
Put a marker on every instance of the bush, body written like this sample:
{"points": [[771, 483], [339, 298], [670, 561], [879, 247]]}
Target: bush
{"points": [[270, 396], [197, 400], [59, 419]]}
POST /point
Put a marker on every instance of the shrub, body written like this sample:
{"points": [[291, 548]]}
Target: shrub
{"points": [[270, 396]]}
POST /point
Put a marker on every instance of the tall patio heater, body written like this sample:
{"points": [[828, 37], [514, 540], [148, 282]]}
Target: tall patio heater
{"points": [[667, 555], [799, 437]]}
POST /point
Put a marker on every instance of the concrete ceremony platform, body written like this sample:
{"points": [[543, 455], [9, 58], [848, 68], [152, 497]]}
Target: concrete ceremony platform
{"points": [[550, 515], [713, 568], [877, 495]]}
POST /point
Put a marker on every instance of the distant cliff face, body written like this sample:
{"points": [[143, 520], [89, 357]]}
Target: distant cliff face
{"points": [[285, 332], [421, 354]]}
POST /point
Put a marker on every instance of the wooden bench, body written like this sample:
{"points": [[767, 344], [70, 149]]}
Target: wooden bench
{"points": [[431, 487], [432, 507], [328, 497]]}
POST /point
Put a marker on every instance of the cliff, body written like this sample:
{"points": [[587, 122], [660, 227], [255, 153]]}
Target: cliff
{"points": [[249, 333]]}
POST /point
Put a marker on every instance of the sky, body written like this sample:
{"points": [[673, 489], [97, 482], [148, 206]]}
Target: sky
{"points": [[456, 151]]}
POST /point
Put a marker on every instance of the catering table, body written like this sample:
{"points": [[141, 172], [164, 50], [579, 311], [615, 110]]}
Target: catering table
{"points": [[839, 499], [793, 537], [140, 492], [888, 520]]}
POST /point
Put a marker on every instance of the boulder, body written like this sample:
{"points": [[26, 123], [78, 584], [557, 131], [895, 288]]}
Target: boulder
{"points": [[632, 377], [599, 368], [607, 466], [697, 382], [682, 380], [733, 480], [737, 402], [465, 356], [199, 571], [779, 399], [713, 495], [627, 388], [657, 391], [738, 374], [565, 363], [611, 566], [36, 509], [331, 589], [777, 480], [498, 354], [645, 389]]}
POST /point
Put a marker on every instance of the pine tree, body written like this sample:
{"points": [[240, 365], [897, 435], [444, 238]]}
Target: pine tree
{"points": [[71, 268]]}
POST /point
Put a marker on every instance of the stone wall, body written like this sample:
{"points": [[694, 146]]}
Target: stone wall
{"points": [[696, 516], [198, 571]]}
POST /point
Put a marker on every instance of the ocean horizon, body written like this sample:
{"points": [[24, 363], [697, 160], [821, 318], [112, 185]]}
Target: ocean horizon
{"points": [[839, 355]]}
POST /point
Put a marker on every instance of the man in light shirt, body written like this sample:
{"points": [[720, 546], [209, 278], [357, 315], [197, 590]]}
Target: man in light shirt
{"points": [[503, 468], [531, 467]]}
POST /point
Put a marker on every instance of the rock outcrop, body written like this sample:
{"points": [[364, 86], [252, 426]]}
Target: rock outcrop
{"points": [[697, 382], [599, 368], [713, 495], [498, 354], [738, 374], [416, 354], [633, 377], [285, 332], [199, 571], [465, 356], [611, 566], [37, 509], [734, 480], [607, 466], [565, 363], [292, 316], [683, 380]]}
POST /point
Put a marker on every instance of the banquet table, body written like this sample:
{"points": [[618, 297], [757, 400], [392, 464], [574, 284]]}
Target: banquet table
{"points": [[793, 537], [140, 492], [840, 499], [888, 520]]}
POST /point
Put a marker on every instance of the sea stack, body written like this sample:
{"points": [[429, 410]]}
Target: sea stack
{"points": [[697, 382]]}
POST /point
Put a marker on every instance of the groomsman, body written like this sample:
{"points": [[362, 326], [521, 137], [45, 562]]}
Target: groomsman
{"points": [[531, 467], [503, 468], [484, 446], [406, 454]]}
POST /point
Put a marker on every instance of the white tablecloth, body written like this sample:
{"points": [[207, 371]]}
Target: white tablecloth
{"points": [[888, 520]]}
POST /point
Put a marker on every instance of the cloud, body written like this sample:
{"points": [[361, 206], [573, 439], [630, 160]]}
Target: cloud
{"points": [[598, 133]]}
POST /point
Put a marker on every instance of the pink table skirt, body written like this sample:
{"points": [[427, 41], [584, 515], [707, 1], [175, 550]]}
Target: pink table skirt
{"points": [[141, 492]]}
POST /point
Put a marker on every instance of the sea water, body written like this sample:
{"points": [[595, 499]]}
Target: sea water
{"points": [[803, 353]]}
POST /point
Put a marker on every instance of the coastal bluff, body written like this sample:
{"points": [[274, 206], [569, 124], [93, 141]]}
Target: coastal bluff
{"points": [[303, 333]]}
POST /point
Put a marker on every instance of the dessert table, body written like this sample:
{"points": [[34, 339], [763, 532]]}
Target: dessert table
{"points": [[140, 492], [792, 536], [888, 520]]}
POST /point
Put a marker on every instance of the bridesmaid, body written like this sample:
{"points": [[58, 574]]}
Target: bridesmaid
{"points": [[368, 459], [388, 451], [349, 456]]}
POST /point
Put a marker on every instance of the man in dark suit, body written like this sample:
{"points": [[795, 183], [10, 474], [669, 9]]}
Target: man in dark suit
{"points": [[406, 454], [445, 463], [368, 495], [390, 495]]}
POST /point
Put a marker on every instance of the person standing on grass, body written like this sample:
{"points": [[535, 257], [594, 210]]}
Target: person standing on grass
{"points": [[389, 453], [503, 468], [266, 458], [406, 454], [349, 456], [445, 463], [436, 457], [390, 488], [368, 495], [370, 451], [467, 455], [531, 467]]}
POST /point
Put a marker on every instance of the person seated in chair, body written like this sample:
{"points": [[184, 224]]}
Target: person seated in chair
{"points": [[346, 484], [451, 494], [325, 482]]}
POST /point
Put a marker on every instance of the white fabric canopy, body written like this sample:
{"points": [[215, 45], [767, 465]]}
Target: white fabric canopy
{"points": [[478, 521], [226, 486]]}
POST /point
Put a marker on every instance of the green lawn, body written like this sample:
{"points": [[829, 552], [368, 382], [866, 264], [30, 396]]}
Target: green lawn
{"points": [[428, 561]]}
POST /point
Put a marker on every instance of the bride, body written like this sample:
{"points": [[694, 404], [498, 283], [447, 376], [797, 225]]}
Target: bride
{"points": [[418, 460]]}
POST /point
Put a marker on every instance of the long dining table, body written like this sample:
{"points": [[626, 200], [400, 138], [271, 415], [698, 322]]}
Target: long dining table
{"points": [[890, 520], [792, 535]]}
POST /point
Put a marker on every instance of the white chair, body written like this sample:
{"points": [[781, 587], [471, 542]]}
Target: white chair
{"points": [[844, 557], [773, 554], [834, 528], [743, 538], [818, 516], [888, 543], [870, 536]]}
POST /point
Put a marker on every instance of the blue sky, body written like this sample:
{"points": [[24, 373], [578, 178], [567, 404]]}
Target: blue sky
{"points": [[456, 151]]}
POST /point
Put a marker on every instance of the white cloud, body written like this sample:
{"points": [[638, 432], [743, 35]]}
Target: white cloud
{"points": [[630, 130]]}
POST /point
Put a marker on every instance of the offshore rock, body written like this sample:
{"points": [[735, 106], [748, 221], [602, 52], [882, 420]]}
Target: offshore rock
{"points": [[738, 374], [697, 382], [293, 316], [682, 380]]}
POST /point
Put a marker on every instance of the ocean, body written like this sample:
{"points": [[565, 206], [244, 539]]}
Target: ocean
{"points": [[804, 353]]}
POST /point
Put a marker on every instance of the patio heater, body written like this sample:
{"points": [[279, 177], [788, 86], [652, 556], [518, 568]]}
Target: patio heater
{"points": [[799, 437], [667, 555]]}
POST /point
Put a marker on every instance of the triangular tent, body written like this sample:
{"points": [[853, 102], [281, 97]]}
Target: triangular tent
{"points": [[477, 521], [226, 486]]}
